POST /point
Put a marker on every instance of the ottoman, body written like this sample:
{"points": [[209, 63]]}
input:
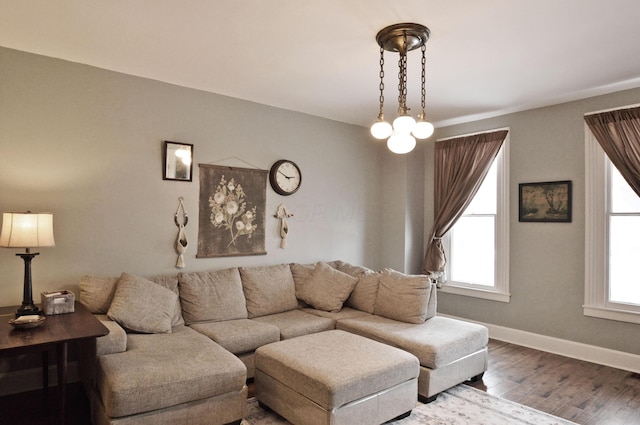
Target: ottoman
{"points": [[335, 378]]}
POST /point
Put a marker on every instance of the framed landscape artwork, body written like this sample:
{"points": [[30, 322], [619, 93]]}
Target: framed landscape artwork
{"points": [[545, 202]]}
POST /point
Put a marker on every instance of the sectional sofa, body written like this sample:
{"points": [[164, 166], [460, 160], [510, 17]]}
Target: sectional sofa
{"points": [[181, 347]]}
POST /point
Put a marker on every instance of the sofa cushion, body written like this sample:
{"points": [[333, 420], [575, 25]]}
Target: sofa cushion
{"points": [[436, 342], [170, 281], [403, 297], [239, 336], [352, 270], [345, 313], [97, 292], [295, 323], [163, 370], [142, 306], [327, 288], [212, 296], [268, 289]]}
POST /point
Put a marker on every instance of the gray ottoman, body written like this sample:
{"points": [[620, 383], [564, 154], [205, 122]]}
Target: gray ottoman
{"points": [[335, 378]]}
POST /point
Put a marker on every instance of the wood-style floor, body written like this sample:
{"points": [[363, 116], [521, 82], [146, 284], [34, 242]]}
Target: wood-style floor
{"points": [[582, 392]]}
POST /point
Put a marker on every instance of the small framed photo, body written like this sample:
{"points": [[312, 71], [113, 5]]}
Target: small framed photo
{"points": [[547, 202], [178, 161]]}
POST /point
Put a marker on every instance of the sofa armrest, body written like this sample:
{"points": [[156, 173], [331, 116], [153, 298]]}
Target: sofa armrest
{"points": [[115, 341]]}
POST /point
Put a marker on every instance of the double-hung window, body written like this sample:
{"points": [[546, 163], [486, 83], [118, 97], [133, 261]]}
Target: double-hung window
{"points": [[477, 246], [612, 234]]}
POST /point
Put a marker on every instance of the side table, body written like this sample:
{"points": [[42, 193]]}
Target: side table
{"points": [[56, 331]]}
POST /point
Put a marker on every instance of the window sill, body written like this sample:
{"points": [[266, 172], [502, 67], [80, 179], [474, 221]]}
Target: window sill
{"points": [[611, 314], [449, 288]]}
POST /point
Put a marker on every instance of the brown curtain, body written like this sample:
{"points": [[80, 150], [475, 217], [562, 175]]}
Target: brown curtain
{"points": [[618, 132], [461, 165]]}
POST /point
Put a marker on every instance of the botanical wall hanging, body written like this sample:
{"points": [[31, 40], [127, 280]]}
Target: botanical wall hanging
{"points": [[232, 211]]}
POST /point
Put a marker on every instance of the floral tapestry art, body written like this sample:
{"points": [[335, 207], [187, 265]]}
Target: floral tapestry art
{"points": [[232, 211]]}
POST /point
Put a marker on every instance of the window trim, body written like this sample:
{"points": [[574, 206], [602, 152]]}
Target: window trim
{"points": [[596, 302], [500, 292]]}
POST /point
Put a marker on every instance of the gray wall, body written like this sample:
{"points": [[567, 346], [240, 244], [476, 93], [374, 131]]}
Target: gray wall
{"points": [[85, 144], [546, 259]]}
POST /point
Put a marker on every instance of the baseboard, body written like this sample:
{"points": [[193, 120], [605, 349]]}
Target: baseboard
{"points": [[563, 347], [31, 379]]}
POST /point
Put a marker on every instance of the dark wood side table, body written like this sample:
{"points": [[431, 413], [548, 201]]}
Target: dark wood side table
{"points": [[56, 331]]}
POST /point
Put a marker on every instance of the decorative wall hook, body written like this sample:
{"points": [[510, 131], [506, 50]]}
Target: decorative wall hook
{"points": [[181, 219], [283, 213]]}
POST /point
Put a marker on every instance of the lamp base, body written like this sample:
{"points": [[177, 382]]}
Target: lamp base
{"points": [[28, 307], [26, 310]]}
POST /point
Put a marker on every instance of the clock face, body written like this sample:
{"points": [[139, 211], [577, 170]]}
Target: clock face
{"points": [[285, 177]]}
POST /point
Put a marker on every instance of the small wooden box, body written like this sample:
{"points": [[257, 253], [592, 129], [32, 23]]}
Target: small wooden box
{"points": [[57, 302]]}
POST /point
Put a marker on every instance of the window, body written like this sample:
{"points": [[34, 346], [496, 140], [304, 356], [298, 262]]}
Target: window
{"points": [[477, 246], [612, 239]]}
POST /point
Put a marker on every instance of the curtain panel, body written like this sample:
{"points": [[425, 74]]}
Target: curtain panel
{"points": [[461, 165], [618, 133]]}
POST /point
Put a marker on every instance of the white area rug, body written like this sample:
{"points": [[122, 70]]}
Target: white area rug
{"points": [[461, 405]]}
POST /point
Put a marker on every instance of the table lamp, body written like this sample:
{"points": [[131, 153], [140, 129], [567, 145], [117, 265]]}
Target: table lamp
{"points": [[27, 230]]}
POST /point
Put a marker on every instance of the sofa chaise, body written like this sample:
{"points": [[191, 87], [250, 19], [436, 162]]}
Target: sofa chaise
{"points": [[181, 347]]}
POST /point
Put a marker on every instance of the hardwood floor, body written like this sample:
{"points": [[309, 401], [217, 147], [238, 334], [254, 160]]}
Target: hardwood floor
{"points": [[585, 393], [582, 392]]}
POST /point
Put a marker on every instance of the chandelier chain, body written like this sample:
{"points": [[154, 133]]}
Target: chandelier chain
{"points": [[381, 81], [402, 77], [423, 92]]}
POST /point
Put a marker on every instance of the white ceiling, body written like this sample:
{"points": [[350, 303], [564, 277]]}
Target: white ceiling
{"points": [[484, 57]]}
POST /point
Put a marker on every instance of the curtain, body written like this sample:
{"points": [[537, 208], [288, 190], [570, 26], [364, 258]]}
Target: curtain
{"points": [[461, 165], [618, 133]]}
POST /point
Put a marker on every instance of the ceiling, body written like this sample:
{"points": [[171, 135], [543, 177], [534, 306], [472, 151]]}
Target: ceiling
{"points": [[320, 57]]}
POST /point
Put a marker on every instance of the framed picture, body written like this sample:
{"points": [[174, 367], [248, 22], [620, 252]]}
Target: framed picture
{"points": [[232, 211], [178, 161], [547, 202]]}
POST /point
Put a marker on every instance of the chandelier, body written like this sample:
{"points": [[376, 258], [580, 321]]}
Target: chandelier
{"points": [[402, 38]]}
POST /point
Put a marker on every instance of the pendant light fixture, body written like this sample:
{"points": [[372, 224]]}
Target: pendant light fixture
{"points": [[402, 38]]}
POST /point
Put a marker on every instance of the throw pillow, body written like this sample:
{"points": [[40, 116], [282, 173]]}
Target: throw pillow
{"points": [[364, 295], [142, 306], [268, 289], [212, 296], [327, 289], [96, 293], [403, 297]]}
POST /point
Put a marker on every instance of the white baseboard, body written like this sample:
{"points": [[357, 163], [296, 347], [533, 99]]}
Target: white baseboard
{"points": [[31, 379], [563, 347]]}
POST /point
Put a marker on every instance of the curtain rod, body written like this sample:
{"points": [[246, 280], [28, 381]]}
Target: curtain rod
{"points": [[613, 109], [475, 134]]}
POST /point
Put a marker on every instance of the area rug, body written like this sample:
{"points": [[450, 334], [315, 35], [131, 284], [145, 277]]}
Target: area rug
{"points": [[461, 405]]}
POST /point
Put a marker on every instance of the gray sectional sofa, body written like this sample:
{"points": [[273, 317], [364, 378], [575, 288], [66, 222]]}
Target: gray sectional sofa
{"points": [[181, 347]]}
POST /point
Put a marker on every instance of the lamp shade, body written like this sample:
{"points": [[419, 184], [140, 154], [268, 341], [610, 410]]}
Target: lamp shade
{"points": [[26, 230]]}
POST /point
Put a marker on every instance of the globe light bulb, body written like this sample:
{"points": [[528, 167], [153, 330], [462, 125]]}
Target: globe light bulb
{"points": [[381, 129], [422, 129], [401, 143], [404, 124]]}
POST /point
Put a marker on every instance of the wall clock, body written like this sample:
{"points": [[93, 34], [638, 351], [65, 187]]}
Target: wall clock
{"points": [[285, 177]]}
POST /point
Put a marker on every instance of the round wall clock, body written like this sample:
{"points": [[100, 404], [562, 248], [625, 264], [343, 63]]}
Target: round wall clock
{"points": [[285, 177]]}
